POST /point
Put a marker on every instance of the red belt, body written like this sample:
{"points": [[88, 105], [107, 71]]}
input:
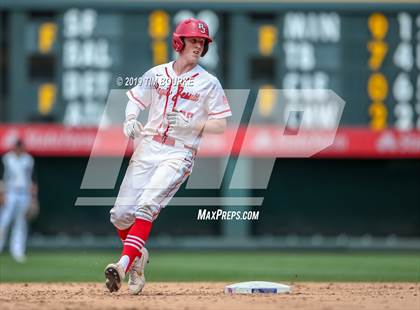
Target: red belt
{"points": [[172, 142]]}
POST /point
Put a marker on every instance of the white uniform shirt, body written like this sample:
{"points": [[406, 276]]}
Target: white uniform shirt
{"points": [[196, 93], [17, 171]]}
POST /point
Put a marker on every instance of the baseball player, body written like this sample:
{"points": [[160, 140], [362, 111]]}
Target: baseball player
{"points": [[184, 101], [16, 189]]}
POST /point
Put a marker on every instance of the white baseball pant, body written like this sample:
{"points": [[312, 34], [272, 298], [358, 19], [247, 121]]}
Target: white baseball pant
{"points": [[15, 207], [154, 175]]}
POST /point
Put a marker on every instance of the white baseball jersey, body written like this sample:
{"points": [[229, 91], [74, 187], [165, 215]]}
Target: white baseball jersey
{"points": [[196, 93], [17, 171]]}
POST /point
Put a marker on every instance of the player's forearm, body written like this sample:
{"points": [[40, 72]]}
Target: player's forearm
{"points": [[131, 110], [214, 126]]}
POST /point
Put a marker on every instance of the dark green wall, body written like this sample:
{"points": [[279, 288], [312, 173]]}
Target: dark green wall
{"points": [[305, 196], [330, 197]]}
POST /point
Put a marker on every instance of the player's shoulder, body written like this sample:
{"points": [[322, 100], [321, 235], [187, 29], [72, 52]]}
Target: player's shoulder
{"points": [[7, 156], [211, 79], [29, 157], [26, 158], [150, 76], [159, 69]]}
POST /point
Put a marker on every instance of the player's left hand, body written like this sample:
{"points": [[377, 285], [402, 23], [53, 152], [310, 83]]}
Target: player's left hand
{"points": [[178, 120]]}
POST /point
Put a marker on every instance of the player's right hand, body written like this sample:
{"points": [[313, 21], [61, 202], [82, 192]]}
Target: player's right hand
{"points": [[133, 128], [178, 120]]}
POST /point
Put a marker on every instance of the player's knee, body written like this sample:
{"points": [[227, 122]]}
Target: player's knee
{"points": [[147, 212], [121, 219]]}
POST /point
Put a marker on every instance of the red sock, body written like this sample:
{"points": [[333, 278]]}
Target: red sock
{"points": [[123, 233], [135, 240]]}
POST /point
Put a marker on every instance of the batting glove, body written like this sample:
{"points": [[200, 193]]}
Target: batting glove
{"points": [[132, 128], [178, 120]]}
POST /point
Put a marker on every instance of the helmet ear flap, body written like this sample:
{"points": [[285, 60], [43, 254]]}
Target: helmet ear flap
{"points": [[205, 49], [178, 43]]}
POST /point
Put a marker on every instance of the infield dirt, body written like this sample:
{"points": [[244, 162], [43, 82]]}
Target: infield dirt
{"points": [[210, 295]]}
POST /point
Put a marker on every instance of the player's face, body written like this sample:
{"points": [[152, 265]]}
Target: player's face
{"points": [[193, 48]]}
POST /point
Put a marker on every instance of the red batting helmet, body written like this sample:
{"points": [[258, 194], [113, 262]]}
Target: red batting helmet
{"points": [[191, 27]]}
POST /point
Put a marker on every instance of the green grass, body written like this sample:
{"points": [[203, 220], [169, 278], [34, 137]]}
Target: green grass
{"points": [[220, 266]]}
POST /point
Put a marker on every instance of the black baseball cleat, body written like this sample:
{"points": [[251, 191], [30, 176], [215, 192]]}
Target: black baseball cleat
{"points": [[114, 275]]}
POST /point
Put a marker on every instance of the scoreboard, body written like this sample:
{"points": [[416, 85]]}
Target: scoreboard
{"points": [[67, 59], [107, 50]]}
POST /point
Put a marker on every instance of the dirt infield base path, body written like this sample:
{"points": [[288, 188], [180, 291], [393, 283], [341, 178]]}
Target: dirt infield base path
{"points": [[204, 296]]}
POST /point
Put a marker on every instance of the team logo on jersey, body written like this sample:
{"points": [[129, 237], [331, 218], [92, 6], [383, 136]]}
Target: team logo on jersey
{"points": [[189, 96], [185, 95], [161, 91], [201, 28], [180, 93]]}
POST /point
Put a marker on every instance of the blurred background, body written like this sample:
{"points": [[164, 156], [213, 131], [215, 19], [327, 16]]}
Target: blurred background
{"points": [[60, 59]]}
